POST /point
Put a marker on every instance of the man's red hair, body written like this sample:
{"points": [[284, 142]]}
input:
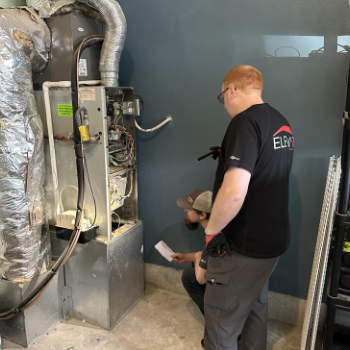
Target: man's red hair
{"points": [[244, 77]]}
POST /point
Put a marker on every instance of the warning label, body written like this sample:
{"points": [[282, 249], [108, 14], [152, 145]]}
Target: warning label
{"points": [[83, 70], [87, 94], [64, 110]]}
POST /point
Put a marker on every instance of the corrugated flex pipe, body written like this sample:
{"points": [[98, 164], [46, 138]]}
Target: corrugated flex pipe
{"points": [[114, 40]]}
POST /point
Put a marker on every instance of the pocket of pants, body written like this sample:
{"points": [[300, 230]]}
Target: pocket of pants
{"points": [[219, 265], [217, 291]]}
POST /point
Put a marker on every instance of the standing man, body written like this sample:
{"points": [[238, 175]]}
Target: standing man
{"points": [[250, 212], [197, 207]]}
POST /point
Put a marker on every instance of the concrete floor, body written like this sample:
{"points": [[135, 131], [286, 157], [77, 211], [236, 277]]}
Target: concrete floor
{"points": [[161, 320]]}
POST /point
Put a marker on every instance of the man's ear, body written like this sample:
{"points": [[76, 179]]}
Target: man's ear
{"points": [[232, 91], [203, 215]]}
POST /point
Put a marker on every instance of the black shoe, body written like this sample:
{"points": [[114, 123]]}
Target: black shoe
{"points": [[202, 343]]}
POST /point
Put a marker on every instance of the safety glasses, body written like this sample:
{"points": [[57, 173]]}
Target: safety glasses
{"points": [[220, 97]]}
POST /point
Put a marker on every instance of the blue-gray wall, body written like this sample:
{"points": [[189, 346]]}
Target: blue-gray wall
{"points": [[176, 55]]}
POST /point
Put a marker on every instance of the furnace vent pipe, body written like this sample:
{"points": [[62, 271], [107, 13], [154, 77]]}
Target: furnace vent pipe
{"points": [[114, 40]]}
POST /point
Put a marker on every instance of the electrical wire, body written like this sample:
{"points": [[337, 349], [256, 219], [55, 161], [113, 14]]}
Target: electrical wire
{"points": [[117, 150], [121, 104], [115, 213], [79, 116], [131, 185], [139, 97], [92, 194], [86, 42], [130, 147], [168, 119]]}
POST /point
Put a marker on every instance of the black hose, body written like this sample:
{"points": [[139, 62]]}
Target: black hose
{"points": [[78, 145]]}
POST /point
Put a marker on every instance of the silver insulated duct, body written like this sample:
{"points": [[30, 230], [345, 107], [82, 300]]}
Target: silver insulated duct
{"points": [[114, 40], [24, 45]]}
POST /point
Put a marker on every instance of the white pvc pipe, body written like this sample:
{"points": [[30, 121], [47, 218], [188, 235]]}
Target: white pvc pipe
{"points": [[47, 85]]}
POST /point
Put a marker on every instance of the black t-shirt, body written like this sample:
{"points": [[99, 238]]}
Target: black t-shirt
{"points": [[261, 141]]}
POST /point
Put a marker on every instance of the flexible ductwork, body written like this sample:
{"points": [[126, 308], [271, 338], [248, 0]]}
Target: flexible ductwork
{"points": [[114, 40], [24, 45], [47, 8]]}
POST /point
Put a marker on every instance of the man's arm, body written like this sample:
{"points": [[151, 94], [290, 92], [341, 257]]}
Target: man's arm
{"points": [[199, 271], [229, 199], [181, 258]]}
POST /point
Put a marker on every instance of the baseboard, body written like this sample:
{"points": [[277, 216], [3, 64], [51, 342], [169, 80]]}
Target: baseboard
{"points": [[164, 277], [282, 307]]}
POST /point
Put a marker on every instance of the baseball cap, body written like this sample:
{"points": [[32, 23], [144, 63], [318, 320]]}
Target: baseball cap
{"points": [[197, 199]]}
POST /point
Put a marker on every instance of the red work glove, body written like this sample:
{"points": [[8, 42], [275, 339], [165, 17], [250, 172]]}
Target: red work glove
{"points": [[208, 238]]}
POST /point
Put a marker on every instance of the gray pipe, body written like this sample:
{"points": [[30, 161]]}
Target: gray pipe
{"points": [[114, 40]]}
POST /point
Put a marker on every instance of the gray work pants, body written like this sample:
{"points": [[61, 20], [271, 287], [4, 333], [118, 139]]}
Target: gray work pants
{"points": [[235, 302]]}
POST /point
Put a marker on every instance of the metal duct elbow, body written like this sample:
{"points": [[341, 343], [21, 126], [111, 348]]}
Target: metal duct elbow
{"points": [[114, 40]]}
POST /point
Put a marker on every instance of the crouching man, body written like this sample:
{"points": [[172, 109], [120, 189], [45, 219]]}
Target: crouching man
{"points": [[197, 207]]}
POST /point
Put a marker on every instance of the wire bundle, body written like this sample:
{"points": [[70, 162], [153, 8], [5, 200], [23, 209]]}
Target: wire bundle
{"points": [[122, 152]]}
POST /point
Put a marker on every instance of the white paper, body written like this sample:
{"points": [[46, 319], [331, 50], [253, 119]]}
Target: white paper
{"points": [[164, 250]]}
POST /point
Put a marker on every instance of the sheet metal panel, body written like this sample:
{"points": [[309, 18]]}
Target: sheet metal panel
{"points": [[96, 155], [24, 328], [67, 32], [125, 257], [107, 278]]}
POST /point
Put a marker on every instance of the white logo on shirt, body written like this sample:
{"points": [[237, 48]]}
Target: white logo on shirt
{"points": [[283, 141], [235, 158]]}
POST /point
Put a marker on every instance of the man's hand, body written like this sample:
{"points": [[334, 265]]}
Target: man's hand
{"points": [[180, 258]]}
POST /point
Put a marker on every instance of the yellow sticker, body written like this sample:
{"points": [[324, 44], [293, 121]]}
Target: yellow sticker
{"points": [[84, 133], [346, 247]]}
